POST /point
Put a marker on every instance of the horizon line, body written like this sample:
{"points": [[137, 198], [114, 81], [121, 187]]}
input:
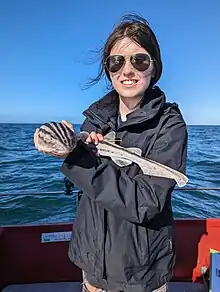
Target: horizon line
{"points": [[75, 123]]}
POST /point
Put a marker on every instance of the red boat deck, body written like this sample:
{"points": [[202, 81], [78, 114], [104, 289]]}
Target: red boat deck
{"points": [[25, 260]]}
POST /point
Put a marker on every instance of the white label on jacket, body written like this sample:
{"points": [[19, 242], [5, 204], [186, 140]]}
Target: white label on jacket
{"points": [[56, 236]]}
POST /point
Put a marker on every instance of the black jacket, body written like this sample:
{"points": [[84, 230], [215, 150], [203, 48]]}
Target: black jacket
{"points": [[122, 236]]}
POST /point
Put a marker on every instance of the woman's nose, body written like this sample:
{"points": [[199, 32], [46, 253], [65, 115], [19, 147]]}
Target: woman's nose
{"points": [[128, 69]]}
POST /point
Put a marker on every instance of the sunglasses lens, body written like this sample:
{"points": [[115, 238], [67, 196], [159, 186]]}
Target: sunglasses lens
{"points": [[141, 62], [114, 63]]}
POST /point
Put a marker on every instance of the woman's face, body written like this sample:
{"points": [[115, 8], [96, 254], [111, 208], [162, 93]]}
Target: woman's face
{"points": [[128, 81]]}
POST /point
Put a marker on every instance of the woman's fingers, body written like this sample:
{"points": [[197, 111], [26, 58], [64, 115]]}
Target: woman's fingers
{"points": [[100, 137], [94, 138]]}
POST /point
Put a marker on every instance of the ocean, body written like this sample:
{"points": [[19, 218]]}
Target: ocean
{"points": [[29, 176]]}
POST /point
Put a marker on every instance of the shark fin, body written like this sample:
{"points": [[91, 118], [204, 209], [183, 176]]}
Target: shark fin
{"points": [[110, 136], [122, 162], [137, 151]]}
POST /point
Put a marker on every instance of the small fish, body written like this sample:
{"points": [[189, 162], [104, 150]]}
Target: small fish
{"points": [[61, 139]]}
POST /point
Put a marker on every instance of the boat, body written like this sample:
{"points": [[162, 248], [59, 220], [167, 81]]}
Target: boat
{"points": [[34, 258]]}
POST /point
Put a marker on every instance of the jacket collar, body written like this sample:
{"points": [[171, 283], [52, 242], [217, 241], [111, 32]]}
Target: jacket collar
{"points": [[105, 111]]}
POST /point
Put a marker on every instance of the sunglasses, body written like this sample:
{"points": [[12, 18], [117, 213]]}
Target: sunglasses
{"points": [[140, 62]]}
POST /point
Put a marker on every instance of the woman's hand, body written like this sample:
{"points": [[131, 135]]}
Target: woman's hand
{"points": [[94, 138]]}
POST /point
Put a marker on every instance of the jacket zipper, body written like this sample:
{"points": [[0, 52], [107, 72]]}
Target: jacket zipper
{"points": [[105, 234]]}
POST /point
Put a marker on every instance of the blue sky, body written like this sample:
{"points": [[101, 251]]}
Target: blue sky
{"points": [[45, 49]]}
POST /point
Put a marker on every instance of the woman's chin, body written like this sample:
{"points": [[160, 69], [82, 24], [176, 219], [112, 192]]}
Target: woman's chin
{"points": [[130, 92]]}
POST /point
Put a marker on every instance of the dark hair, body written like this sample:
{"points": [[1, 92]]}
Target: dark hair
{"points": [[137, 29]]}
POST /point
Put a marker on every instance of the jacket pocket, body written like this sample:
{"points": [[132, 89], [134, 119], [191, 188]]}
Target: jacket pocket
{"points": [[138, 254], [84, 242]]}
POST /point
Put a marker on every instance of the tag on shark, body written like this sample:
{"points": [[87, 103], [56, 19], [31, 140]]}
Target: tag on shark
{"points": [[111, 136]]}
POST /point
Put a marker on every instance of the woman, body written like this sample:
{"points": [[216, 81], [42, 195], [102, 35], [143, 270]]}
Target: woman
{"points": [[122, 236]]}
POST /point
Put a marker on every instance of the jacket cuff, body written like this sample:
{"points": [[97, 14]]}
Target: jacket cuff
{"points": [[81, 166]]}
